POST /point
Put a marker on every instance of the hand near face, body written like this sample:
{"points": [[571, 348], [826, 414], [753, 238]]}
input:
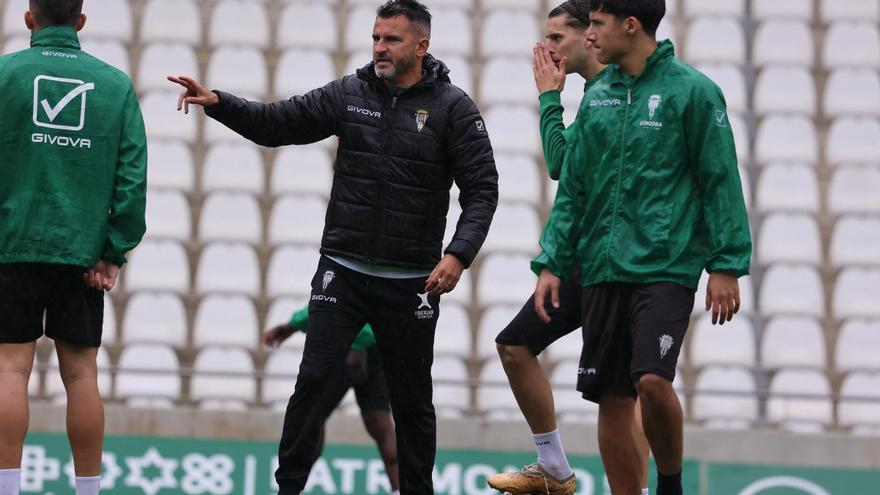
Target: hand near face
{"points": [[548, 75]]}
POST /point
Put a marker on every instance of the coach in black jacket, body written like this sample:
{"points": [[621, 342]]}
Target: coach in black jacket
{"points": [[405, 134]]}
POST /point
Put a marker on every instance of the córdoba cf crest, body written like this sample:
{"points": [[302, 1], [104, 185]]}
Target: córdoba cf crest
{"points": [[328, 277], [421, 118], [665, 344]]}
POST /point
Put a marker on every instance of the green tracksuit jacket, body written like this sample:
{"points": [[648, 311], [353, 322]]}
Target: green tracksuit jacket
{"points": [[73, 156], [649, 190]]}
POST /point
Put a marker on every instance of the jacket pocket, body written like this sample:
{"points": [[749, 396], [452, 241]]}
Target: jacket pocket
{"points": [[658, 226]]}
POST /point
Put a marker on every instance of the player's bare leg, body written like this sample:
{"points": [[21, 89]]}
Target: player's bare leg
{"points": [[662, 415], [85, 410], [16, 362], [380, 426], [641, 443], [530, 387], [618, 444]]}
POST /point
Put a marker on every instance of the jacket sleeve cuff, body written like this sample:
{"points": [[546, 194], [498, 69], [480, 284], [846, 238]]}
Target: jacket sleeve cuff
{"points": [[543, 261], [215, 111], [550, 98], [113, 255], [463, 250]]}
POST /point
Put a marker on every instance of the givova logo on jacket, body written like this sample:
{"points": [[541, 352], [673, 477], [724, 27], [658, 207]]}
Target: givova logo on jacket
{"points": [[60, 103]]}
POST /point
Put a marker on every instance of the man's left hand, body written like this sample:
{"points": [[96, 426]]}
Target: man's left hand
{"points": [[722, 297], [445, 276]]}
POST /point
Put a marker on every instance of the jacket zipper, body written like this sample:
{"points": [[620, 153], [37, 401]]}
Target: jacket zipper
{"points": [[619, 180]]}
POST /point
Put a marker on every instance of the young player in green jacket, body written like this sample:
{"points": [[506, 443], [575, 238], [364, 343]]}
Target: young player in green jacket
{"points": [[73, 159], [650, 197], [364, 373]]}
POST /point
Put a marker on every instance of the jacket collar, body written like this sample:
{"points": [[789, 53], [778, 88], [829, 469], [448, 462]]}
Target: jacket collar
{"points": [[55, 37], [665, 51], [433, 72]]}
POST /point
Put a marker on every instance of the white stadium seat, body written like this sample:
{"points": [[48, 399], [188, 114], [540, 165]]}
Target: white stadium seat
{"points": [[112, 52], [236, 384], [855, 241], [785, 90], [783, 9], [282, 309], [854, 190], [858, 346], [494, 319], [505, 279], [231, 217], [730, 344], [155, 318], [148, 370], [726, 394], [715, 41], [494, 397], [302, 169], [13, 20], [519, 178], [171, 20], [732, 82], [464, 291], [509, 32], [112, 21], [307, 25], [240, 71], [569, 346], [227, 26], [459, 71], [789, 238], [787, 187], [453, 334], [155, 265], [513, 128], [110, 331], [508, 80], [228, 268], [291, 79], [233, 167], [291, 270], [853, 140], [864, 10], [856, 293], [740, 137], [16, 44], [530, 5], [714, 8], [451, 391], [793, 342], [783, 42], [282, 368], [514, 228], [171, 165], [297, 219], [852, 92], [168, 215], [159, 60], [842, 36], [814, 408], [786, 138], [792, 290], [163, 121], [226, 320], [359, 29], [850, 410], [451, 31]]}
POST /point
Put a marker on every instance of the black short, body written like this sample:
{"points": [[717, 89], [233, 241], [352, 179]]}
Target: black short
{"points": [[372, 393], [631, 330], [74, 312], [529, 330]]}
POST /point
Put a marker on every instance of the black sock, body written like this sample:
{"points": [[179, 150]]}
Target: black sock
{"points": [[669, 484]]}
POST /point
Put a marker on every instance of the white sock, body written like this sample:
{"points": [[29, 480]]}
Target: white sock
{"points": [[10, 481], [395, 492], [551, 455], [90, 485], [645, 491]]}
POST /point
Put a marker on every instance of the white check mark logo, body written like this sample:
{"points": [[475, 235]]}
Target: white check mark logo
{"points": [[53, 112]]}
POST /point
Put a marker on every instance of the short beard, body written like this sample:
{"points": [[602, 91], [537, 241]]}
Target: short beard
{"points": [[396, 70]]}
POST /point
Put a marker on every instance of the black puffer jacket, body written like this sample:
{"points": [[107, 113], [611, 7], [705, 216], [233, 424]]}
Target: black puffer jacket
{"points": [[396, 162]]}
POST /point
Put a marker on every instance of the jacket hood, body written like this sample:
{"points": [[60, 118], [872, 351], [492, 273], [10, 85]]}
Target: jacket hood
{"points": [[433, 71]]}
